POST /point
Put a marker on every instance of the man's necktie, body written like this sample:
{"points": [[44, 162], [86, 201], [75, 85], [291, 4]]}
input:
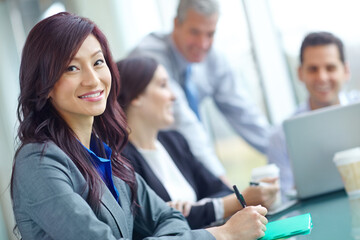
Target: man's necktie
{"points": [[191, 92]]}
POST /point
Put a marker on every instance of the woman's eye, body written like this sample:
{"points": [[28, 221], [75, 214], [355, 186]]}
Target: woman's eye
{"points": [[71, 69], [99, 62], [163, 84]]}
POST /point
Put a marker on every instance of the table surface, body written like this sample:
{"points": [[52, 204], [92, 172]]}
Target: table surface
{"points": [[334, 216]]}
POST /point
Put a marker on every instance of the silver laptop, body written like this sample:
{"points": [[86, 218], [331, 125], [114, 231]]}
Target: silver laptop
{"points": [[313, 139]]}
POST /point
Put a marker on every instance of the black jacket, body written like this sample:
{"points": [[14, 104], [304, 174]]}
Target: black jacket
{"points": [[204, 183]]}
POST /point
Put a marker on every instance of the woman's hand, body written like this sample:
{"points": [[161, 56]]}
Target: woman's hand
{"points": [[182, 206], [247, 224]]}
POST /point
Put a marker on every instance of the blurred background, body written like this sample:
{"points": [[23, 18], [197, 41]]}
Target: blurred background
{"points": [[261, 39]]}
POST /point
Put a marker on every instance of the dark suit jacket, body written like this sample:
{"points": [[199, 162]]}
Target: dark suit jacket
{"points": [[49, 202], [205, 184]]}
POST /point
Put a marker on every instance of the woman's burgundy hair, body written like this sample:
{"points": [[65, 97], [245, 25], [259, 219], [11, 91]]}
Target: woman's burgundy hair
{"points": [[136, 73], [48, 50]]}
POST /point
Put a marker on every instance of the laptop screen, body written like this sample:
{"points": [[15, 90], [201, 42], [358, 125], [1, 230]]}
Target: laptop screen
{"points": [[313, 139]]}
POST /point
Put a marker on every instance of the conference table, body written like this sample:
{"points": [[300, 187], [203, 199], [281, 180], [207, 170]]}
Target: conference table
{"points": [[334, 216]]}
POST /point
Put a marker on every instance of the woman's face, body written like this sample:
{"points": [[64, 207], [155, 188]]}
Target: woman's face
{"points": [[157, 100], [82, 90]]}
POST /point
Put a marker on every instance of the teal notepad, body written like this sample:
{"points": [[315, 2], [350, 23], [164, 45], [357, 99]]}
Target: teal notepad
{"points": [[285, 228]]}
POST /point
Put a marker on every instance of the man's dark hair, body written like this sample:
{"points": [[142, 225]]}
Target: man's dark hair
{"points": [[321, 38]]}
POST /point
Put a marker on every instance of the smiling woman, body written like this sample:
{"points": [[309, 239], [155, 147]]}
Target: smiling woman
{"points": [[57, 165]]}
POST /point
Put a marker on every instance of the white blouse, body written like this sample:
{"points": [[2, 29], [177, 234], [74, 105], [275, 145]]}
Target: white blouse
{"points": [[168, 173]]}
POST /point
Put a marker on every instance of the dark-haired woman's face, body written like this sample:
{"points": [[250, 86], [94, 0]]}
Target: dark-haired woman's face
{"points": [[156, 102], [82, 90]]}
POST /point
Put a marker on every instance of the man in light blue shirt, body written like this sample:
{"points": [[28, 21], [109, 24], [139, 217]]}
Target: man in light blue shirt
{"points": [[189, 46], [323, 70]]}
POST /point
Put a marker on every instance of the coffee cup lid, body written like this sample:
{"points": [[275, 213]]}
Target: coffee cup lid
{"points": [[269, 170], [347, 156]]}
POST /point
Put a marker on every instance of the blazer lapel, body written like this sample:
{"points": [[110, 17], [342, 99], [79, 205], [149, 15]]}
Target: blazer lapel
{"points": [[143, 168], [116, 212]]}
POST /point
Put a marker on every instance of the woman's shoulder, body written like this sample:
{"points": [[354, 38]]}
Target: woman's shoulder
{"points": [[38, 146], [171, 135], [133, 156], [129, 150], [31, 155], [37, 149], [173, 140]]}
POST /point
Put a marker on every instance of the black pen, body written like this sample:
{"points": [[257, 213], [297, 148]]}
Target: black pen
{"points": [[239, 197]]}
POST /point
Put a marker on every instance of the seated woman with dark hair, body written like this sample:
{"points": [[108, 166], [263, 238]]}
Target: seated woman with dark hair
{"points": [[163, 158]]}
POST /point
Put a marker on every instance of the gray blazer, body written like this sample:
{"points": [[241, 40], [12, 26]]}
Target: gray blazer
{"points": [[49, 202]]}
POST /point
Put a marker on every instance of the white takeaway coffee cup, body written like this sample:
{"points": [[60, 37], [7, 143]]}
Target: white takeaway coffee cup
{"points": [[348, 164], [268, 171]]}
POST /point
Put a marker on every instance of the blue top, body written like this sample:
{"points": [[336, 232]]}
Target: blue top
{"points": [[103, 165]]}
